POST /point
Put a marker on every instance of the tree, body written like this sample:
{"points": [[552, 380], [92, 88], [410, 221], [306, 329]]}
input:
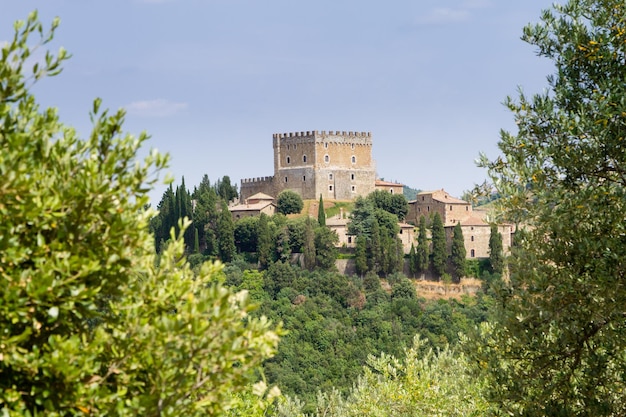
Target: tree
{"points": [[321, 213], [423, 249], [264, 242], [309, 245], [289, 202], [457, 252], [496, 257], [439, 253], [392, 203], [413, 261], [560, 341], [360, 255], [90, 324], [225, 189], [226, 234], [325, 249]]}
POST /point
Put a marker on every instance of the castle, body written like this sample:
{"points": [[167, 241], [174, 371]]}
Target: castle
{"points": [[336, 165]]}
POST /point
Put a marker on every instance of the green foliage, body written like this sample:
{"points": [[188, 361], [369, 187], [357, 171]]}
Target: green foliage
{"points": [[559, 345], [422, 252], [91, 323], [309, 245], [225, 190], [410, 193], [396, 204], [496, 256], [439, 254], [289, 202], [226, 234], [360, 256], [457, 253], [321, 213], [265, 246], [325, 249], [423, 383]]}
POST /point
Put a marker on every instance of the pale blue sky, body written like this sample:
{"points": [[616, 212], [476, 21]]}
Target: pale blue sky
{"points": [[212, 80]]}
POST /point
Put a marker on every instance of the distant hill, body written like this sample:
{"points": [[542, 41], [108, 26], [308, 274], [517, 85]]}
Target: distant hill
{"points": [[410, 193]]}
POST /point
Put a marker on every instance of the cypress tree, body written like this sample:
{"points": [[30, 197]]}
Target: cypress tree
{"points": [[360, 255], [413, 261], [196, 241], [264, 242], [309, 245], [423, 250], [321, 214], [439, 254], [457, 252], [496, 257], [226, 234]]}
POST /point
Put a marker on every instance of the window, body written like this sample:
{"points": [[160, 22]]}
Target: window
{"points": [[326, 158], [422, 198], [353, 146], [330, 177], [349, 239], [304, 178], [419, 209], [330, 188], [450, 208], [400, 231], [472, 238], [285, 179], [287, 147], [325, 145], [472, 253], [288, 160], [466, 208], [351, 177], [427, 208], [353, 188], [391, 191], [304, 158], [353, 159]]}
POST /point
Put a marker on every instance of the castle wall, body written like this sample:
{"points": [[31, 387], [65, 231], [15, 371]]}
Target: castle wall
{"points": [[251, 186], [336, 165]]}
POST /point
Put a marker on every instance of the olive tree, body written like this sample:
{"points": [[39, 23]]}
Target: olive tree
{"points": [[91, 323], [559, 347]]}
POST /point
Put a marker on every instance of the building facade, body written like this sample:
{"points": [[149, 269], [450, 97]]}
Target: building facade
{"points": [[336, 165]]}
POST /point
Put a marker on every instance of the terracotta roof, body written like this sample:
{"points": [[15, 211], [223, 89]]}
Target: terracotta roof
{"points": [[387, 183], [443, 197], [251, 207], [260, 196]]}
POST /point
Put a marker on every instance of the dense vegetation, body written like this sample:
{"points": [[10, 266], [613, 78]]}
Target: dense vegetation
{"points": [[100, 318]]}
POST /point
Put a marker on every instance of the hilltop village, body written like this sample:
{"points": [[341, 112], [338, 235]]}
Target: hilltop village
{"points": [[339, 165]]}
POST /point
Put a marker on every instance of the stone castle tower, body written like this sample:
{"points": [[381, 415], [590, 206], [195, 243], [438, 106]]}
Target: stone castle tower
{"points": [[337, 165]]}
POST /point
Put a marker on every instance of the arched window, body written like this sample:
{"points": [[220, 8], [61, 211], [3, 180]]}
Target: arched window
{"points": [[326, 158], [472, 238], [353, 159], [473, 253], [288, 160], [391, 191]]}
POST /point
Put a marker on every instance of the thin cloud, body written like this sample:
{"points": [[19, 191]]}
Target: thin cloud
{"points": [[444, 15], [155, 108]]}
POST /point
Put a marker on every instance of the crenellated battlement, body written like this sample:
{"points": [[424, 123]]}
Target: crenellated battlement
{"points": [[322, 134], [257, 180]]}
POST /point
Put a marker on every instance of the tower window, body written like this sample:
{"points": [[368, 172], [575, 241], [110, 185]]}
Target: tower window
{"points": [[473, 253], [303, 158], [330, 188], [353, 159], [326, 158], [353, 146], [330, 176], [285, 179], [288, 160], [304, 178], [353, 188], [351, 177], [325, 145], [472, 238]]}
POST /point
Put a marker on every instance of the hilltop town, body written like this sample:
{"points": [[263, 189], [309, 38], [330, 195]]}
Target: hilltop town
{"points": [[339, 165]]}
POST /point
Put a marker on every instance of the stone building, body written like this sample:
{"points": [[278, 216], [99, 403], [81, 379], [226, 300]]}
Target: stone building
{"points": [[476, 229], [254, 206], [390, 187], [337, 165]]}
